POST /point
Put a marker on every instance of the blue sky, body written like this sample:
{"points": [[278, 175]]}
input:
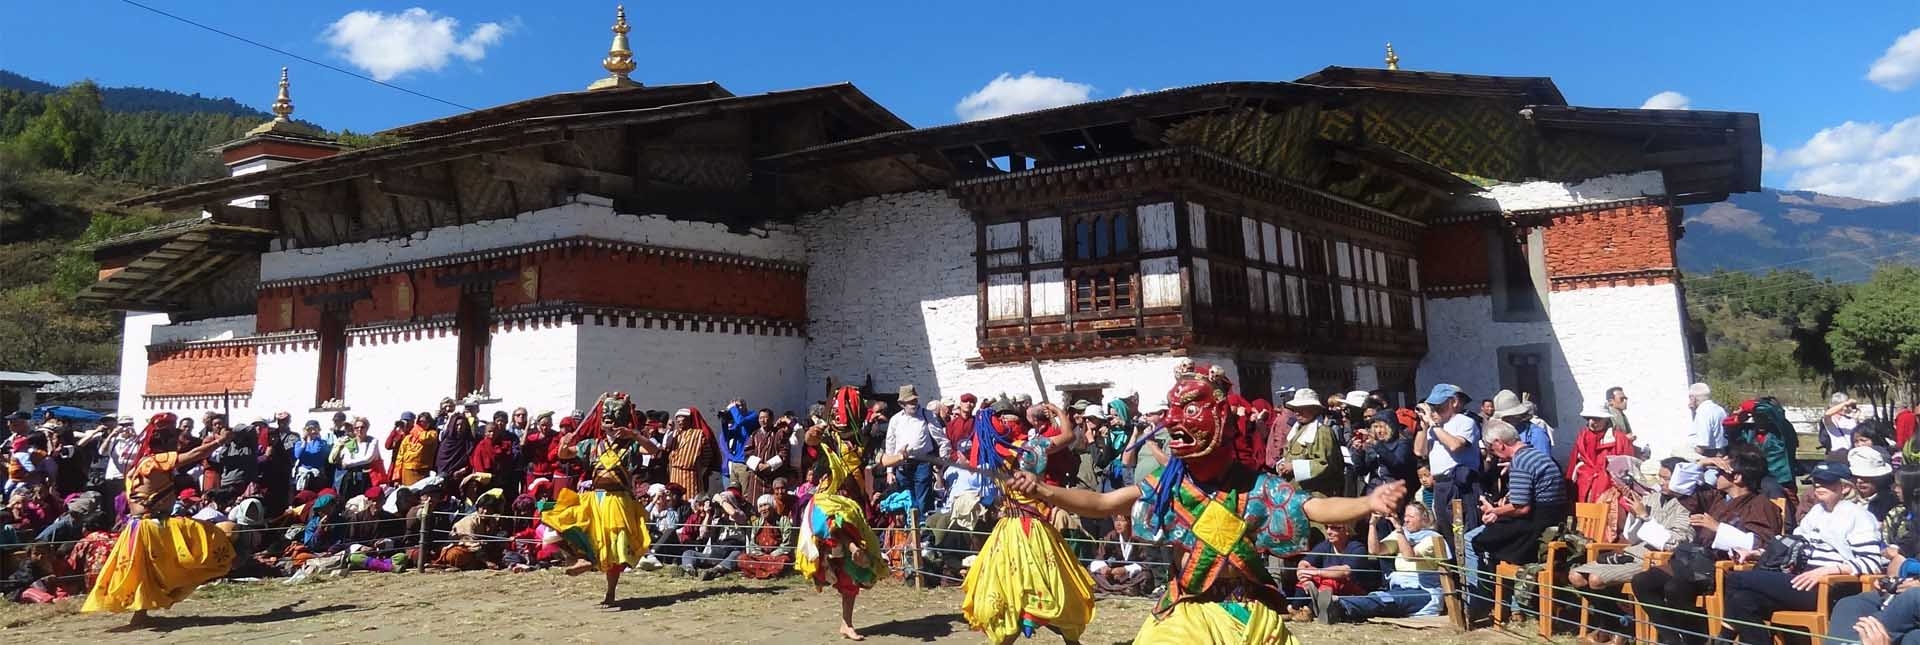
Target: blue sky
{"points": [[1806, 71]]}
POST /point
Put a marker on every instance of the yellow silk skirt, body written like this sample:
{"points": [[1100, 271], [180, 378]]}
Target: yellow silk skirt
{"points": [[1024, 579], [609, 527], [1212, 622], [156, 563]]}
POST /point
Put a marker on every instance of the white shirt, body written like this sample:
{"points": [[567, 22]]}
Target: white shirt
{"points": [[358, 456], [1707, 430], [1441, 461], [909, 435], [120, 453]]}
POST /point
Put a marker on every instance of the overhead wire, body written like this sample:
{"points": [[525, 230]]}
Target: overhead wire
{"points": [[295, 56]]}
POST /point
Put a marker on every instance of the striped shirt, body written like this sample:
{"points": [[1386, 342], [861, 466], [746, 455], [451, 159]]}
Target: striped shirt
{"points": [[1846, 536], [1533, 479]]}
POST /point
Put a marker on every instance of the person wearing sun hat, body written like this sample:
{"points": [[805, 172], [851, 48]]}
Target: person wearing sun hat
{"points": [[1873, 480], [1845, 539], [1587, 463], [1450, 442], [1312, 460]]}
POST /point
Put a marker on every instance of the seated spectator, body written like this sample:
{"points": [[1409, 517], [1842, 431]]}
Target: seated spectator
{"points": [[665, 515], [1331, 567], [41, 577], [1413, 586], [1740, 520], [1536, 500], [1844, 539], [1656, 521], [715, 536], [769, 551], [1872, 481], [1116, 568], [478, 538], [1903, 570]]}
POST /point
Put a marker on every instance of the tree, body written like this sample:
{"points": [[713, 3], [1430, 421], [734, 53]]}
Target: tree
{"points": [[65, 133], [1877, 333]]}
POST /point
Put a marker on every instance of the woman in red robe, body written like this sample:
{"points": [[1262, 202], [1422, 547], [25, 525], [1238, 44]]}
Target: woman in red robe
{"points": [[1588, 461]]}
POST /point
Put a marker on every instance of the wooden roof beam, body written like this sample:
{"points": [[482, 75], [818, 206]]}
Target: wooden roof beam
{"points": [[408, 184]]}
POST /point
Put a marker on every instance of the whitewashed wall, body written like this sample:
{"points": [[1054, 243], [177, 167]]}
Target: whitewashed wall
{"points": [[664, 369], [134, 338], [909, 315], [285, 378], [223, 328], [387, 377], [1626, 336], [587, 215], [1553, 194], [534, 367]]}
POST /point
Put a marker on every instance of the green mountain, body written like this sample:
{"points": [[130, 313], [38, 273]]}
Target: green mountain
{"points": [[141, 99]]}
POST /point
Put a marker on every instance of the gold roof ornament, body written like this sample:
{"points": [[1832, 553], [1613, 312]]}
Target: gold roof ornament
{"points": [[619, 60], [1393, 60], [282, 111]]}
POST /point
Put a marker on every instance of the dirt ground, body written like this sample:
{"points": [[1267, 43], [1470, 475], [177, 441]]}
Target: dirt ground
{"points": [[547, 607]]}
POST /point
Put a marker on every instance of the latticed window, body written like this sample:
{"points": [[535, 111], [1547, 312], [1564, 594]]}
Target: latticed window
{"points": [[1102, 290], [1103, 235]]}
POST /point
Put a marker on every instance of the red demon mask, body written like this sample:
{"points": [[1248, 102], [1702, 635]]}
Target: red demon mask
{"points": [[1196, 417]]}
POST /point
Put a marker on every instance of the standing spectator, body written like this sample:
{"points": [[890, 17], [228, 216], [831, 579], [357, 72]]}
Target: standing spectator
{"points": [[276, 465], [310, 458], [738, 423], [1388, 453], [1313, 455], [518, 424], [536, 450], [768, 449], [1598, 442], [497, 453], [236, 462], [1838, 423], [1147, 449], [1510, 408], [692, 451], [356, 456], [340, 428], [1536, 500], [1904, 423], [1845, 540], [960, 427], [1708, 437], [1455, 465], [17, 430], [457, 438], [121, 449], [1617, 408], [414, 451], [910, 433]]}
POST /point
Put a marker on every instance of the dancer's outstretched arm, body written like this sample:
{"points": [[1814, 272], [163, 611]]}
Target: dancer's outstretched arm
{"points": [[1078, 501], [1384, 500]]}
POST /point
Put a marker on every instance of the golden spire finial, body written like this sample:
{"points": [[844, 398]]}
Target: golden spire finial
{"points": [[283, 105], [619, 60], [1393, 60]]}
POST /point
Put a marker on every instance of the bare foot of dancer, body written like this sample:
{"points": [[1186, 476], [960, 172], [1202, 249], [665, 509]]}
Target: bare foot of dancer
{"points": [[847, 632], [579, 567]]}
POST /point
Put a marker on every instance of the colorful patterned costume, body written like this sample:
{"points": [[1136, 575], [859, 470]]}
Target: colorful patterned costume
{"points": [[606, 525], [158, 560], [835, 536], [1025, 577], [1219, 530]]}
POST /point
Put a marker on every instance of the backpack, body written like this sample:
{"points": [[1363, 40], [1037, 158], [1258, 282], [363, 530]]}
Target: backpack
{"points": [[1769, 414]]}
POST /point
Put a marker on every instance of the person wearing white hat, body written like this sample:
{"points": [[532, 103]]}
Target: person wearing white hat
{"points": [[1312, 459], [1597, 442], [1519, 413], [1873, 479], [1658, 522]]}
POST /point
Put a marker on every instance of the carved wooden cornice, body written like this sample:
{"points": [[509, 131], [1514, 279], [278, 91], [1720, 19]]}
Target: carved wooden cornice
{"points": [[536, 247], [1165, 170], [1640, 278]]}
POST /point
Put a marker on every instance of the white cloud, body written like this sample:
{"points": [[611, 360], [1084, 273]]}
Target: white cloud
{"points": [[1768, 154], [390, 45], [1007, 94], [1899, 67], [1861, 160], [1668, 100]]}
